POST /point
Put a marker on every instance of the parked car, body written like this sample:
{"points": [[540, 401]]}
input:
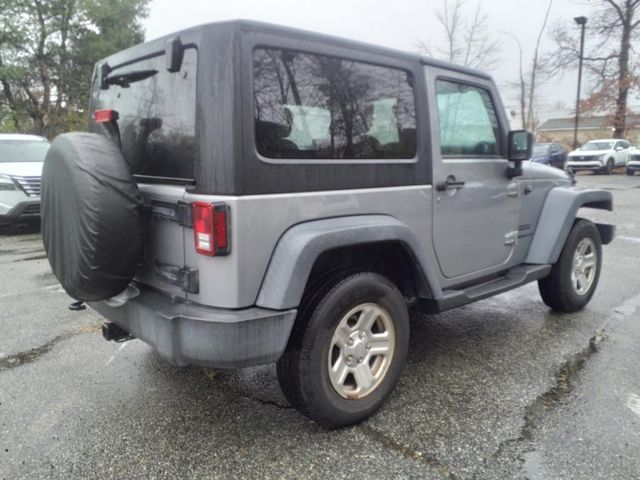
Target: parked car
{"points": [[21, 160], [251, 194], [553, 154], [633, 163], [600, 156]]}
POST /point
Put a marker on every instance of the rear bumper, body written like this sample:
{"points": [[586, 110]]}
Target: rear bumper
{"points": [[29, 210], [188, 334]]}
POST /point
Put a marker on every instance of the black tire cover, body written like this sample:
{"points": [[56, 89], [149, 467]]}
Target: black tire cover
{"points": [[91, 216]]}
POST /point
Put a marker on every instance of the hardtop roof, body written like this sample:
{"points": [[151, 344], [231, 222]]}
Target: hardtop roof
{"points": [[157, 45]]}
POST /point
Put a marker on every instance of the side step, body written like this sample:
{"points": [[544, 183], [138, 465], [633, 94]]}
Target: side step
{"points": [[514, 278]]}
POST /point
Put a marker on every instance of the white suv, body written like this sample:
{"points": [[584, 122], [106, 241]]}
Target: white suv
{"points": [[21, 160], [633, 164], [599, 155]]}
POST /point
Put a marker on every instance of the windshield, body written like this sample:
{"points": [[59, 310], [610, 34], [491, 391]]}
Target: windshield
{"points": [[591, 146], [14, 151], [540, 148]]}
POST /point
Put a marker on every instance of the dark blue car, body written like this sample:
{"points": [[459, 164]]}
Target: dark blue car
{"points": [[552, 154]]}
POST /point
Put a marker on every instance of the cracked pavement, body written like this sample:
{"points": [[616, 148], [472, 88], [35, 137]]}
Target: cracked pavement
{"points": [[503, 388]]}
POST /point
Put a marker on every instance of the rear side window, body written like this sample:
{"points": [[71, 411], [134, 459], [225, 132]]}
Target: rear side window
{"points": [[157, 113], [321, 107], [467, 120]]}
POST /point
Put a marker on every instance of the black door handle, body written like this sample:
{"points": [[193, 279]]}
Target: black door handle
{"points": [[451, 183]]}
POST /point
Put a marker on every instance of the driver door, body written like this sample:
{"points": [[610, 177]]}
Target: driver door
{"points": [[476, 207]]}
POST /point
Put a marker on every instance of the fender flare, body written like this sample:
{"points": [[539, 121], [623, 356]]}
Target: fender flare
{"points": [[301, 245], [557, 217]]}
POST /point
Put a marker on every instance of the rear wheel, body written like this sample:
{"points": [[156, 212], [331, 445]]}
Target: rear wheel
{"points": [[574, 277], [630, 172], [347, 349]]}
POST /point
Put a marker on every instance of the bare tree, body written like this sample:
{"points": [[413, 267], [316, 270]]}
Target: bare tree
{"points": [[536, 73], [614, 71], [466, 40]]}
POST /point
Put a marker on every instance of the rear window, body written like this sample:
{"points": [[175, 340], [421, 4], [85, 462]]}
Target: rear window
{"points": [[156, 115], [23, 151], [316, 106]]}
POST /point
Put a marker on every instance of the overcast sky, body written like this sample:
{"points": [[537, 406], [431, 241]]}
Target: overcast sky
{"points": [[392, 23]]}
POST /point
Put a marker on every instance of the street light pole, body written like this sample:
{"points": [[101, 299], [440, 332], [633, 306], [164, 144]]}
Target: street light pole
{"points": [[582, 21]]}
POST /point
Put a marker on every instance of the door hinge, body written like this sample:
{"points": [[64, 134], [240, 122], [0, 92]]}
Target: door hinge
{"points": [[184, 277], [511, 238], [175, 212], [183, 214]]}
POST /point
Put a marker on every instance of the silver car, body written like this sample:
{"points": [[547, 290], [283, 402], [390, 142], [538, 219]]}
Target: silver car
{"points": [[21, 160], [251, 194]]}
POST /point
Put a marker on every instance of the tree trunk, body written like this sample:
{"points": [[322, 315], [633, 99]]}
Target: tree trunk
{"points": [[619, 121]]}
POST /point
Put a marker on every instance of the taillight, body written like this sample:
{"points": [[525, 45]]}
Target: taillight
{"points": [[105, 116], [211, 228]]}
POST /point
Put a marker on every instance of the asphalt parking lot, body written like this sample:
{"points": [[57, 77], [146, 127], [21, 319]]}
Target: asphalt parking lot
{"points": [[500, 389]]}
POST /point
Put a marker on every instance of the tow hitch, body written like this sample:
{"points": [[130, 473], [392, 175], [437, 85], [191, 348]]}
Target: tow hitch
{"points": [[112, 332]]}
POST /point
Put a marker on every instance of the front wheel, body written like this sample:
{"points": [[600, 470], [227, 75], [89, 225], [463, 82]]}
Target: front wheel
{"points": [[347, 350], [574, 277], [630, 172], [608, 169]]}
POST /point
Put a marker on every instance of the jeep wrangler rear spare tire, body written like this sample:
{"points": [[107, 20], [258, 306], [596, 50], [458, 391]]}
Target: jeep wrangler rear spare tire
{"points": [[91, 216], [347, 349], [574, 277]]}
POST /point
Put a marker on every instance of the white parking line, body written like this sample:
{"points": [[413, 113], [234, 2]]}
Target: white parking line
{"points": [[57, 288], [633, 403], [112, 357], [630, 239]]}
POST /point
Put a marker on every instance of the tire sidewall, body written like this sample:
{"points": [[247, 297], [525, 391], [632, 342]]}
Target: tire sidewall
{"points": [[353, 291], [582, 229]]}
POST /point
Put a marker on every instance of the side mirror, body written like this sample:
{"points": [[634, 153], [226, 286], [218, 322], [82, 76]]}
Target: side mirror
{"points": [[520, 148], [520, 145], [618, 148]]}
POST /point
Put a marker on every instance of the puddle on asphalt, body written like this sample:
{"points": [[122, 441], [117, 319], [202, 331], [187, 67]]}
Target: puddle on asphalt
{"points": [[29, 356]]}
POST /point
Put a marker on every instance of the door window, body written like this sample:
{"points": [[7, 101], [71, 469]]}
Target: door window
{"points": [[467, 120]]}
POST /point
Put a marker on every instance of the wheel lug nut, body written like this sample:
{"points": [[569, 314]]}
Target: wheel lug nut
{"points": [[361, 334], [350, 341], [368, 347], [360, 360], [350, 359]]}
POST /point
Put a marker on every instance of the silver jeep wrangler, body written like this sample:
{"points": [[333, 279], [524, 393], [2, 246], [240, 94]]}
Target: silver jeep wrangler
{"points": [[252, 194]]}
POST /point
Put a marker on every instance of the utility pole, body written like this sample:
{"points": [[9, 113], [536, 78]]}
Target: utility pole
{"points": [[582, 21]]}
